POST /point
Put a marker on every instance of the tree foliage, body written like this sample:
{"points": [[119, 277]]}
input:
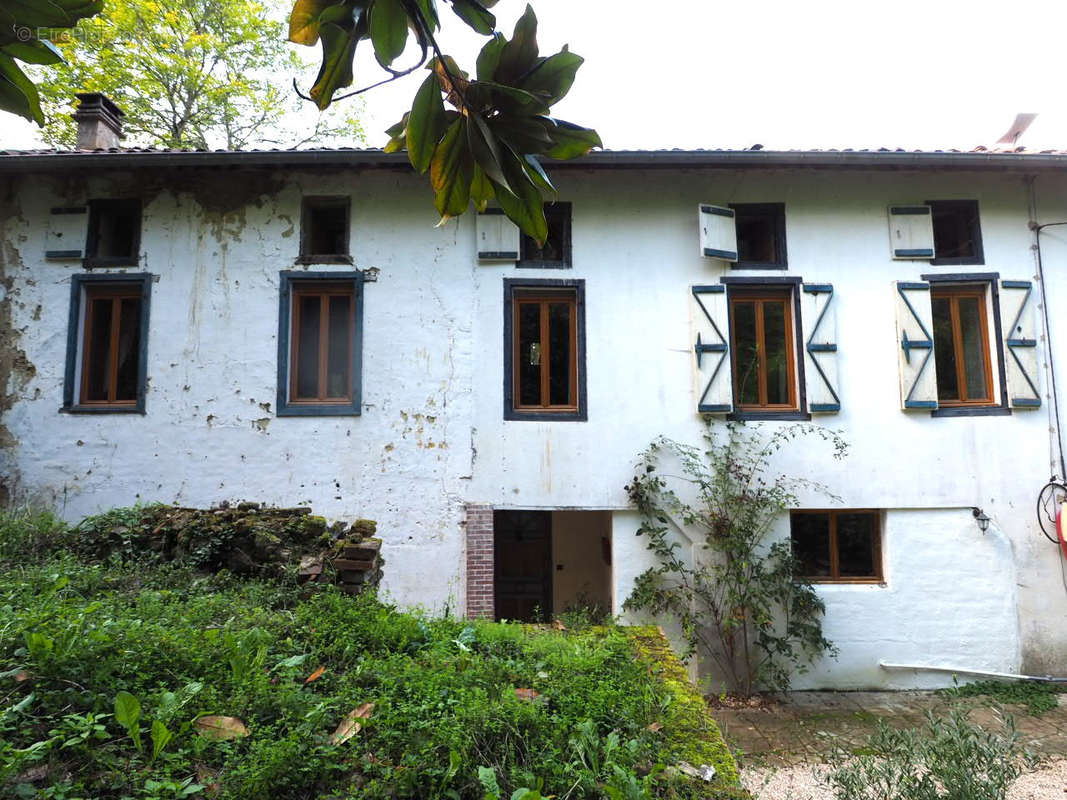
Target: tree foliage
{"points": [[479, 138], [735, 595], [187, 73]]}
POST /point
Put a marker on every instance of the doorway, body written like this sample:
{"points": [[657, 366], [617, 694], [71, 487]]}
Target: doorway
{"points": [[549, 562]]}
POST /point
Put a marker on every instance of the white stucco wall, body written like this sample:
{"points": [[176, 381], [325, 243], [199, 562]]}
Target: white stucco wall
{"points": [[432, 435]]}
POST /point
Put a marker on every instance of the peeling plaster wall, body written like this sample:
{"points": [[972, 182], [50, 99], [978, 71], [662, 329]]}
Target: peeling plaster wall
{"points": [[432, 434]]}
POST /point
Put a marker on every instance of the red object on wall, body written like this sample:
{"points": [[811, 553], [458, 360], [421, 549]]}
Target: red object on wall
{"points": [[1061, 521]]}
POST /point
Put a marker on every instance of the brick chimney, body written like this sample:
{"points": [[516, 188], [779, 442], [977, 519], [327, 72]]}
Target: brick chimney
{"points": [[99, 122]]}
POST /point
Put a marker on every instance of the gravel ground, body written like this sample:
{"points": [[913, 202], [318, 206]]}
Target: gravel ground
{"points": [[803, 783]]}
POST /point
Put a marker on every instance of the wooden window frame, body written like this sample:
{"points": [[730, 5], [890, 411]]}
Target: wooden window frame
{"points": [[953, 293], [776, 211], [979, 252], [743, 294], [85, 288], [835, 555], [296, 284], [519, 292], [96, 207], [307, 207], [564, 210]]}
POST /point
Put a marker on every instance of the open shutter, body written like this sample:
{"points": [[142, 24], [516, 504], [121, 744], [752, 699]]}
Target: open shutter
{"points": [[911, 232], [819, 319], [498, 236], [718, 234], [1020, 343], [711, 324], [67, 229], [918, 373]]}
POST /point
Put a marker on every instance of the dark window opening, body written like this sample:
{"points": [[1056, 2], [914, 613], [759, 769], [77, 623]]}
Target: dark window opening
{"points": [[323, 335], [957, 232], [764, 366], [325, 229], [556, 251], [961, 346], [114, 237], [522, 565], [760, 235], [837, 545]]}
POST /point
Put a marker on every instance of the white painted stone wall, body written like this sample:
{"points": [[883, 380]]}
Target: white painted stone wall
{"points": [[432, 434]]}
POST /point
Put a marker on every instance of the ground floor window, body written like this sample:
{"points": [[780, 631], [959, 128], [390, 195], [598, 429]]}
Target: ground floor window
{"points": [[841, 546]]}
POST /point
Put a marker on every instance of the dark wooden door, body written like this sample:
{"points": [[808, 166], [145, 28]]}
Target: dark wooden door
{"points": [[523, 565]]}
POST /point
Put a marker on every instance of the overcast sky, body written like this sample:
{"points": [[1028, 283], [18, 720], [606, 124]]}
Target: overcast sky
{"points": [[784, 74]]}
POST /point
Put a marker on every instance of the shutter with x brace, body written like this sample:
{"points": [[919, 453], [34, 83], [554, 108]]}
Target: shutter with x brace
{"points": [[915, 343], [712, 350], [1020, 343], [820, 344]]}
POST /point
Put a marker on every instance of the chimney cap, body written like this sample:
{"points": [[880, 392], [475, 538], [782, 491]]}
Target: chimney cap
{"points": [[97, 102]]}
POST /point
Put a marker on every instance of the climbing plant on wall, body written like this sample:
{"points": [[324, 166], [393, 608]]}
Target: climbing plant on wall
{"points": [[735, 595]]}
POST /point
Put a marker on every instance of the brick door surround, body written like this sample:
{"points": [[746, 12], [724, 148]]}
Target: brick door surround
{"points": [[480, 589]]}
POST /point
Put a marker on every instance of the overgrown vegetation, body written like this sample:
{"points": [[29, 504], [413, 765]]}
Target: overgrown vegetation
{"points": [[1038, 697], [948, 759], [736, 596], [134, 677]]}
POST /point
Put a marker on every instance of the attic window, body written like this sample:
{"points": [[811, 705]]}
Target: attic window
{"points": [[114, 238], [324, 238], [957, 233], [760, 235], [556, 251]]}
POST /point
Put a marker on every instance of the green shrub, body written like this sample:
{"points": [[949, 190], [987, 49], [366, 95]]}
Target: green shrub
{"points": [[1038, 696], [949, 758]]}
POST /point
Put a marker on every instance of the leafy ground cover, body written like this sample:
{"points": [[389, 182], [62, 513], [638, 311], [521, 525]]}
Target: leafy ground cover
{"points": [[127, 676]]}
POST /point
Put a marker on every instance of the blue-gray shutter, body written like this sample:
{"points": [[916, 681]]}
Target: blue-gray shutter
{"points": [[67, 229], [911, 232], [1020, 343], [498, 236], [714, 381], [819, 320], [718, 232], [915, 346]]}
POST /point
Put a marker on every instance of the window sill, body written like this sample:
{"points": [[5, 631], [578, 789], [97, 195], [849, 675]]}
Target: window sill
{"points": [[318, 411], [758, 265], [514, 415], [103, 263], [971, 411], [531, 264], [957, 262], [324, 259], [137, 409], [876, 582], [754, 416]]}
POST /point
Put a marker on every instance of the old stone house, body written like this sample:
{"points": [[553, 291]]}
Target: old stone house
{"points": [[292, 327]]}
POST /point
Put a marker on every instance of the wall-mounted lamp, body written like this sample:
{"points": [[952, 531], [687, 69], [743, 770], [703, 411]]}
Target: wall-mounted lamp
{"points": [[981, 518]]}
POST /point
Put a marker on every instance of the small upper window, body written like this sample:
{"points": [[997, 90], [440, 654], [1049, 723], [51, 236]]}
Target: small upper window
{"points": [[764, 360], [760, 235], [837, 545], [957, 233], [325, 231], [961, 345], [114, 238], [556, 251]]}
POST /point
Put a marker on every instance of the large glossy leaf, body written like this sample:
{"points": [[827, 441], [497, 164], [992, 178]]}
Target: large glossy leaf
{"points": [[524, 134], [483, 147], [18, 95], [127, 709], [553, 77], [388, 30], [38, 13], [476, 15], [524, 205], [338, 50], [429, 13], [489, 57], [305, 19], [520, 53], [481, 189], [39, 51], [426, 123], [570, 140], [538, 175], [451, 171]]}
